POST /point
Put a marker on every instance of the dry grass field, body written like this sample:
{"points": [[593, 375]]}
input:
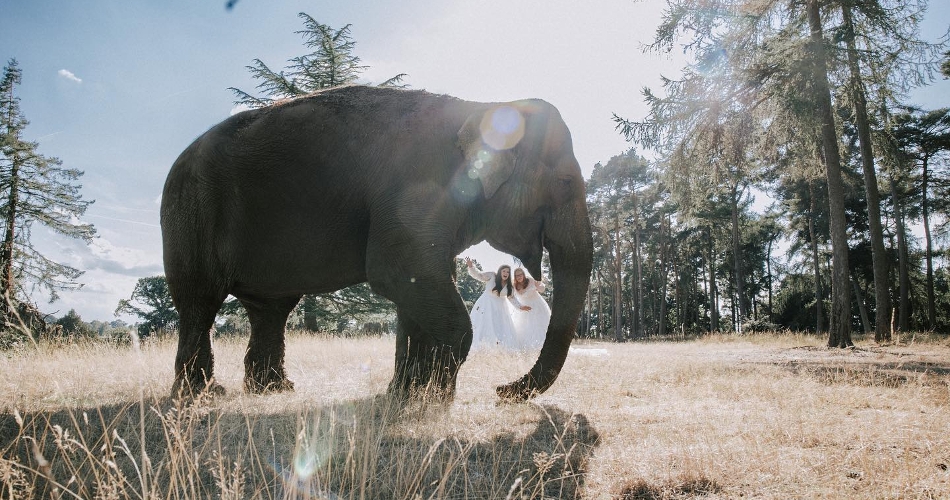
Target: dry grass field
{"points": [[772, 416]]}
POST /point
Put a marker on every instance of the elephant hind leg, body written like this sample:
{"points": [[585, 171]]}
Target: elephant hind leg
{"points": [[264, 361], [194, 361]]}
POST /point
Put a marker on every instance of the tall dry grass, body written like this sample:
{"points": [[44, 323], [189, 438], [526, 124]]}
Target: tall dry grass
{"points": [[770, 416]]}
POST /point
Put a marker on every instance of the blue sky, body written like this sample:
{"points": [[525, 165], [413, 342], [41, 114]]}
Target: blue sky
{"points": [[119, 88]]}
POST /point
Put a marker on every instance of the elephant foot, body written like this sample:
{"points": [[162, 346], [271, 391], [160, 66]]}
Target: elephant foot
{"points": [[425, 390], [271, 386], [186, 390], [427, 374], [517, 391]]}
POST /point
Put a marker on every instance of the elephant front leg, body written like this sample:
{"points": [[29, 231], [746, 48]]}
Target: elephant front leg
{"points": [[400, 385], [264, 359], [433, 335], [409, 261], [424, 369]]}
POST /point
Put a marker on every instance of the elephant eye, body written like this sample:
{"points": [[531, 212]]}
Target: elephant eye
{"points": [[562, 189]]}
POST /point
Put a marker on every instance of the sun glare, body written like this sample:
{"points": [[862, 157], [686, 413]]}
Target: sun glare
{"points": [[503, 128]]}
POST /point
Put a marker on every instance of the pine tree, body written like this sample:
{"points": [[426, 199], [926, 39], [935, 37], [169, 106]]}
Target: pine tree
{"points": [[331, 64], [33, 188]]}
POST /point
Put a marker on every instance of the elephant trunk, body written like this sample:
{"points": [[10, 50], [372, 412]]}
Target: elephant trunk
{"points": [[570, 246]]}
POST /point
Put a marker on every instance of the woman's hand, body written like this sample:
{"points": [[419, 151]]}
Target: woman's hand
{"points": [[468, 262], [525, 308]]}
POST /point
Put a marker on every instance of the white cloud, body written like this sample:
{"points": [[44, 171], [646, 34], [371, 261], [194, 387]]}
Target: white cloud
{"points": [[121, 260], [111, 271], [239, 108], [65, 73]]}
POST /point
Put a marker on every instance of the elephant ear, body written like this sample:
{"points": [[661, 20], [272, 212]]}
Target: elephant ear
{"points": [[487, 141]]}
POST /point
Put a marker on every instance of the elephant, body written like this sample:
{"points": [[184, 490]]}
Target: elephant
{"points": [[379, 185]]}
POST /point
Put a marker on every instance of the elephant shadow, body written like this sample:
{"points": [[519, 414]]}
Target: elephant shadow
{"points": [[365, 448]]}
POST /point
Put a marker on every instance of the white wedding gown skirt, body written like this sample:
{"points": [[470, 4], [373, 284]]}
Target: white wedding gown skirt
{"points": [[491, 322], [531, 326]]}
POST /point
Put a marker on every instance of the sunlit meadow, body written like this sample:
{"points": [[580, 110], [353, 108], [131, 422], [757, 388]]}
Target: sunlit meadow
{"points": [[772, 416]]}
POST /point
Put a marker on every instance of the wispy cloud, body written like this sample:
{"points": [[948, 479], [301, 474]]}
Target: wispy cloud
{"points": [[101, 254], [69, 75], [129, 221], [47, 136]]}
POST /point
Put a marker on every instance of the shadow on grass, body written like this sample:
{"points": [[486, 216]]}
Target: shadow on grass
{"points": [[868, 368], [354, 449]]}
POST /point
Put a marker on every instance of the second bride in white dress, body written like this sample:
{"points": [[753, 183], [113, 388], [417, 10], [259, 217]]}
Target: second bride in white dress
{"points": [[491, 320], [530, 327]]}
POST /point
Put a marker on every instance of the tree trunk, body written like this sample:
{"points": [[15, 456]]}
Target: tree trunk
{"points": [[768, 270], [882, 298], [862, 308], [737, 261], [6, 252], [819, 296], [309, 305], [663, 276], [587, 316], [637, 327], [703, 275], [840, 329], [618, 300], [928, 251], [903, 264], [713, 291], [678, 312], [600, 306], [638, 266]]}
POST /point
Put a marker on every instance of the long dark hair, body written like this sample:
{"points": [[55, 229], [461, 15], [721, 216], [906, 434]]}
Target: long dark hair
{"points": [[499, 285]]}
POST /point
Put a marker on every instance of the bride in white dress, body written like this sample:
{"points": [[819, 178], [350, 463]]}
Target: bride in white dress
{"points": [[491, 321], [530, 327]]}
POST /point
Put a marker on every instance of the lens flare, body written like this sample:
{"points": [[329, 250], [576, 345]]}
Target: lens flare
{"points": [[311, 454], [502, 128]]}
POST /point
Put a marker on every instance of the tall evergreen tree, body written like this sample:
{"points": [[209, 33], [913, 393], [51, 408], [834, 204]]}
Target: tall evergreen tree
{"points": [[882, 331], [331, 64], [840, 327], [885, 57], [620, 204], [34, 188]]}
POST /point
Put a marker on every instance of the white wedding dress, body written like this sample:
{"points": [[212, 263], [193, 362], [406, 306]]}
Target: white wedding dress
{"points": [[491, 321], [531, 326]]}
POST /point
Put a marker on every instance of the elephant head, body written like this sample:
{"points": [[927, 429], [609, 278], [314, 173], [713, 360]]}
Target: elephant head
{"points": [[534, 198]]}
